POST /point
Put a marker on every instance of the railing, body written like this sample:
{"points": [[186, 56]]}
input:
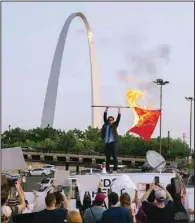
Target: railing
{"points": [[90, 153]]}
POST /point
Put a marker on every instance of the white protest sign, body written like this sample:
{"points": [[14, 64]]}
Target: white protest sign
{"points": [[61, 177], [13, 159], [88, 183], [85, 184], [137, 180], [124, 184]]}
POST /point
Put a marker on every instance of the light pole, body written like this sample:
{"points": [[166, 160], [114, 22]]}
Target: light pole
{"points": [[161, 83], [168, 145], [191, 100], [9, 127]]}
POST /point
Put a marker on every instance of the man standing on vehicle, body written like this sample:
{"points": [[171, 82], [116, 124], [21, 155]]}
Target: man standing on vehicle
{"points": [[110, 137]]}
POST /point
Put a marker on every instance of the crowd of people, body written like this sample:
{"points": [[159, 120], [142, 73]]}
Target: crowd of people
{"points": [[158, 204]]}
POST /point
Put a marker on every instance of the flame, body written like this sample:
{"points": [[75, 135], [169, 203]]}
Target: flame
{"points": [[132, 97], [145, 119]]}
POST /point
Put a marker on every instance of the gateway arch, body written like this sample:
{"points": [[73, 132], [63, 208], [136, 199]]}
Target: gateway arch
{"points": [[52, 87]]}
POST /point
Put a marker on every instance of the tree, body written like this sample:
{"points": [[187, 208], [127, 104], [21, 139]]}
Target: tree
{"points": [[76, 141]]}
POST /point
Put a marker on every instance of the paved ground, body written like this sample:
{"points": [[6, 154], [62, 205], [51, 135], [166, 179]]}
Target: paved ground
{"points": [[33, 183]]}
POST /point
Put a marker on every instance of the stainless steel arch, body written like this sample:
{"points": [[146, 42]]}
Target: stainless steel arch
{"points": [[52, 87]]}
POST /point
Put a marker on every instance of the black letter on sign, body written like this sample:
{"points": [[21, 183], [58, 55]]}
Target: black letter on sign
{"points": [[122, 190], [107, 182], [93, 194]]}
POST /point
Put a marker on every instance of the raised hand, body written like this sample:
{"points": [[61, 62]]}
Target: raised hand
{"points": [[17, 185], [152, 186], [100, 185], [191, 212]]}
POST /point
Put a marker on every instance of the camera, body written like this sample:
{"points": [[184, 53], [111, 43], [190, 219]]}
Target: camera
{"points": [[12, 182], [156, 180]]}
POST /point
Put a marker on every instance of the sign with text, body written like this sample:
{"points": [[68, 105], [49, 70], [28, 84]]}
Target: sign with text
{"points": [[90, 183], [120, 185], [61, 177]]}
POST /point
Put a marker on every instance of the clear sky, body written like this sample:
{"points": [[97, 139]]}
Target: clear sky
{"points": [[136, 42]]}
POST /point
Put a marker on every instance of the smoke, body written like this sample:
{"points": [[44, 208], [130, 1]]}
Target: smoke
{"points": [[143, 66], [122, 75]]}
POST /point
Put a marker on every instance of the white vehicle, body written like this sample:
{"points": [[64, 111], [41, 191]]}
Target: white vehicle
{"points": [[52, 168], [91, 171], [27, 148], [39, 172], [46, 183]]}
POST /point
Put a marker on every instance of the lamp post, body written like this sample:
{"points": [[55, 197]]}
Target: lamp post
{"points": [[161, 83], [168, 145], [191, 100], [9, 127]]}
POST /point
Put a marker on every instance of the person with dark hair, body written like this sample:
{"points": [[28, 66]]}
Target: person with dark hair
{"points": [[171, 189], [141, 216], [51, 213], [94, 214], [59, 199], [180, 213], [158, 212], [86, 200], [110, 138], [116, 213]]}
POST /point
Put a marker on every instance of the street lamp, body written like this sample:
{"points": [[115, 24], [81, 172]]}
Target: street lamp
{"points": [[161, 83], [9, 127], [191, 100]]}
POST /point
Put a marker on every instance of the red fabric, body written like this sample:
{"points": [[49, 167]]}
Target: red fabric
{"points": [[147, 122], [100, 197]]}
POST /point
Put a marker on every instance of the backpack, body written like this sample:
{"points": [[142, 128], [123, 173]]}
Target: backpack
{"points": [[181, 217], [96, 221]]}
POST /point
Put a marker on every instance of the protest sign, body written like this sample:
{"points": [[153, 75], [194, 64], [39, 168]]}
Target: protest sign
{"points": [[88, 182], [132, 181], [124, 184], [13, 159], [61, 177]]}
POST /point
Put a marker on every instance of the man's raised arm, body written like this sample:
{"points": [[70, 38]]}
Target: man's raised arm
{"points": [[118, 117], [105, 114]]}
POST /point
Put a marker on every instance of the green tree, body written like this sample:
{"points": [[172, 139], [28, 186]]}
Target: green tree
{"points": [[75, 141]]}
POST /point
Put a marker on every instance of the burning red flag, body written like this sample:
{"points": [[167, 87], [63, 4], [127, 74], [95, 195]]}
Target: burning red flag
{"points": [[147, 120]]}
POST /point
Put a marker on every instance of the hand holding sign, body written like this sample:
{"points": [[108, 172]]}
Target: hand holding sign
{"points": [[17, 185], [100, 185]]}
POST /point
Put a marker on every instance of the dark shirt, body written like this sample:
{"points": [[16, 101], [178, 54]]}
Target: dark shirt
{"points": [[156, 214], [113, 127], [51, 216], [141, 216], [116, 215]]}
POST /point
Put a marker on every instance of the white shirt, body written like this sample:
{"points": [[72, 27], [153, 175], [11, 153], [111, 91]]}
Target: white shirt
{"points": [[29, 210]]}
